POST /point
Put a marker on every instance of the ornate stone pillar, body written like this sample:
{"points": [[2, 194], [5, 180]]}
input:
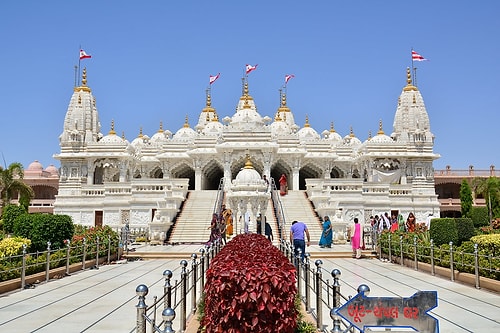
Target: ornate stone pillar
{"points": [[295, 178], [166, 170], [197, 175], [122, 165], [90, 172], [227, 170]]}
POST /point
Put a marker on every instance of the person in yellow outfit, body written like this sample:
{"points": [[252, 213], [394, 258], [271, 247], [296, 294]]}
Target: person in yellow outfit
{"points": [[227, 215]]}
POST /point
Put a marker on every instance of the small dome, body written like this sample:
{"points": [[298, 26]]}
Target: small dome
{"points": [[35, 166], [279, 128], [111, 138], [52, 170], [307, 133], [185, 132], [332, 135], [248, 176], [213, 128], [161, 135], [351, 140], [381, 137]]}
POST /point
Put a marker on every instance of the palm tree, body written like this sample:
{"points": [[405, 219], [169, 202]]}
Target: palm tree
{"points": [[489, 189], [11, 184]]}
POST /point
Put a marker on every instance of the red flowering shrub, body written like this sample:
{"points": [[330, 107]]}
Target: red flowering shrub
{"points": [[250, 287]]}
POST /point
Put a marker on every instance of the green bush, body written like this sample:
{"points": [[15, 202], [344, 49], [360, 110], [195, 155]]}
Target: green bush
{"points": [[444, 231], [9, 215], [465, 229], [480, 216], [43, 228]]}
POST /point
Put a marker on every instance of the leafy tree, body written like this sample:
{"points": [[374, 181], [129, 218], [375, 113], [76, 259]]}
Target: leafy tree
{"points": [[465, 198], [11, 183], [489, 189]]}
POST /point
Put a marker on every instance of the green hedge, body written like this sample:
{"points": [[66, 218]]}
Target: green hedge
{"points": [[444, 231], [465, 229], [480, 216]]}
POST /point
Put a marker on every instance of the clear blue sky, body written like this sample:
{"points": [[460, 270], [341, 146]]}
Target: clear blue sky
{"points": [[151, 61]]}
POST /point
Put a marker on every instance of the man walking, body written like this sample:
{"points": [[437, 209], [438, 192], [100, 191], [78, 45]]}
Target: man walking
{"points": [[298, 231]]}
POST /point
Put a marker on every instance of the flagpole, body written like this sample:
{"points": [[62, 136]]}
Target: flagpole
{"points": [[79, 60], [76, 75], [414, 69]]}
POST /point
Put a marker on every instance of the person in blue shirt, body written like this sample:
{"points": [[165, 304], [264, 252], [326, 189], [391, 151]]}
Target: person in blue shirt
{"points": [[298, 233]]}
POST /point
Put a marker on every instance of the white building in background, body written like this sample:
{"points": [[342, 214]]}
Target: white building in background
{"points": [[105, 179]]}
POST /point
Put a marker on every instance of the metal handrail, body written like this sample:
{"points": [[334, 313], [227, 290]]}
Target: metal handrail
{"points": [[278, 209]]}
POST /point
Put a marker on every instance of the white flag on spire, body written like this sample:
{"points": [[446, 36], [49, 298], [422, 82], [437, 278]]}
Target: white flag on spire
{"points": [[288, 77], [417, 57], [213, 78], [250, 68], [84, 55]]}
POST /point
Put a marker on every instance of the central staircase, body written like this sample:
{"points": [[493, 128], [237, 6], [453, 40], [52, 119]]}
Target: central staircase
{"points": [[193, 222], [296, 207]]}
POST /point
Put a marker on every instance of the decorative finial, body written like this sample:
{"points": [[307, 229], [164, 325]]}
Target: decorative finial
{"points": [[351, 133], [380, 129], [283, 107], [83, 87], [161, 127], [245, 95], [248, 163], [208, 104], [186, 124], [409, 85], [84, 77], [277, 117], [140, 133], [307, 122], [112, 130], [123, 135], [332, 130], [369, 135]]}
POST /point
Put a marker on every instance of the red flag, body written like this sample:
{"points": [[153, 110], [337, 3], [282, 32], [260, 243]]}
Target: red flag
{"points": [[417, 57], [288, 77], [250, 68], [213, 78], [84, 55]]}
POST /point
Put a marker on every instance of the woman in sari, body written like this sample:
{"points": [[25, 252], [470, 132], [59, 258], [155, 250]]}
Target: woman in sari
{"points": [[214, 229], [326, 235], [411, 223], [283, 185]]}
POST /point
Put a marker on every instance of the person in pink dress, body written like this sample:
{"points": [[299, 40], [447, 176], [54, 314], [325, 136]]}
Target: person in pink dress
{"points": [[356, 238]]}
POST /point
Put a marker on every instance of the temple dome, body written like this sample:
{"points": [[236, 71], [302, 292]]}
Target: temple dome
{"points": [[213, 128], [35, 166], [248, 179], [52, 170], [185, 133], [381, 137], [307, 133], [351, 140], [161, 136], [112, 137]]}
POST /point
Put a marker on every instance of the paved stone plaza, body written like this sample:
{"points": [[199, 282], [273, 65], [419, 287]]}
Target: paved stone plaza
{"points": [[104, 300]]}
